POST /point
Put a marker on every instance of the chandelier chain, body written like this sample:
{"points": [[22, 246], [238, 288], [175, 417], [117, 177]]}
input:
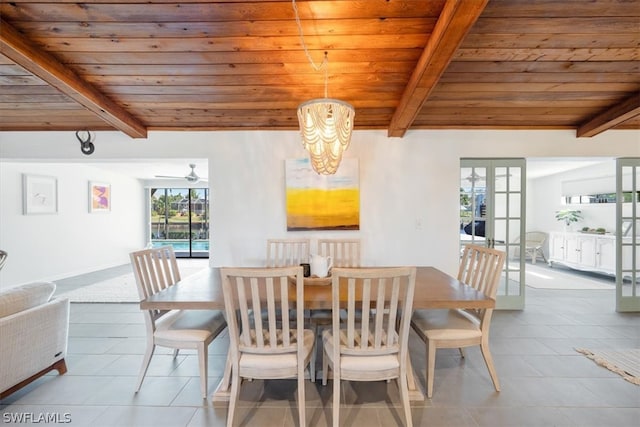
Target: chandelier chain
{"points": [[325, 61]]}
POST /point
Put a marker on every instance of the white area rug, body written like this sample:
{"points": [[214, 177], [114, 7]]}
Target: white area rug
{"points": [[625, 363], [546, 278], [118, 289], [122, 289]]}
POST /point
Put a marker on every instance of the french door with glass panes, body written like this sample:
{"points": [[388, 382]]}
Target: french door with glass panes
{"points": [[492, 214], [628, 234]]}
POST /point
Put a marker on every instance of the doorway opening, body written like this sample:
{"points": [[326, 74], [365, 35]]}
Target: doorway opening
{"points": [[556, 189]]}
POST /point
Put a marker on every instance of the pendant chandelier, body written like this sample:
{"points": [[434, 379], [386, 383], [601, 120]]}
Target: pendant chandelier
{"points": [[325, 123]]}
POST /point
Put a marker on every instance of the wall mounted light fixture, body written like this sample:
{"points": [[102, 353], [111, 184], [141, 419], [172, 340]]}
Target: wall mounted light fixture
{"points": [[86, 139]]}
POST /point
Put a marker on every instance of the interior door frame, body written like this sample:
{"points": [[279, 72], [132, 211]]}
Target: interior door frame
{"points": [[628, 238], [513, 275]]}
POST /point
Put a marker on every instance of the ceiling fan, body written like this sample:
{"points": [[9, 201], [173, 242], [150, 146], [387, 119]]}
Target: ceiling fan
{"points": [[191, 177], [475, 177]]}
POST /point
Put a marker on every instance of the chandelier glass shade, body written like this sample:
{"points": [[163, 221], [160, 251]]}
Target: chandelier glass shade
{"points": [[325, 126]]}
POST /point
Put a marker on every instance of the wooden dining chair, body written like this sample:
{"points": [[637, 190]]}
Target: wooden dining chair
{"points": [[157, 269], [287, 252], [343, 252], [375, 347], [481, 268], [271, 346]]}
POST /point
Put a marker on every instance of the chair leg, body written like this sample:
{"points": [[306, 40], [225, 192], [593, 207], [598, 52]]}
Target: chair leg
{"points": [[431, 367], [301, 398], [544, 258], [203, 365], [404, 396], [461, 350], [233, 398], [312, 363], [336, 398], [325, 368], [145, 364], [175, 352], [484, 347]]}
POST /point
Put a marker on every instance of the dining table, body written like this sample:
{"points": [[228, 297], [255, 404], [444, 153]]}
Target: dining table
{"points": [[434, 289]]}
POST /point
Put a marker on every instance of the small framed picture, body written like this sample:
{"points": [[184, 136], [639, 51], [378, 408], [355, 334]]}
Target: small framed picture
{"points": [[39, 194], [99, 197]]}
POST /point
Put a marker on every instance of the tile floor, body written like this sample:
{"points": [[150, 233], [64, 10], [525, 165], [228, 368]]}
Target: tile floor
{"points": [[544, 381]]}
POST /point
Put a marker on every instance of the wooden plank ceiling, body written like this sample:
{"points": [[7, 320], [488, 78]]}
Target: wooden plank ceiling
{"points": [[145, 65]]}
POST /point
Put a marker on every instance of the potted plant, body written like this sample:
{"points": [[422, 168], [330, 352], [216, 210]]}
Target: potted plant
{"points": [[568, 216]]}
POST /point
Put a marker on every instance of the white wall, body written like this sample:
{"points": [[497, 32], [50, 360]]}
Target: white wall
{"points": [[409, 187], [545, 194], [73, 241]]}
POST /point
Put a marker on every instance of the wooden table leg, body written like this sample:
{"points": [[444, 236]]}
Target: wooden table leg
{"points": [[223, 391], [415, 392]]}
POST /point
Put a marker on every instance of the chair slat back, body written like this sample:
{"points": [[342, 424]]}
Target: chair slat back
{"points": [[379, 304], [344, 252], [287, 252], [257, 304], [481, 267], [154, 270]]}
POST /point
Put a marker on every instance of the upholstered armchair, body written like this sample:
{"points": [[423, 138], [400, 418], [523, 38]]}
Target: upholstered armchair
{"points": [[34, 330]]}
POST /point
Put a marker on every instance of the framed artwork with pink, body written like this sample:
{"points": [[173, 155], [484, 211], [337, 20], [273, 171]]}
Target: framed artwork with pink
{"points": [[99, 197]]}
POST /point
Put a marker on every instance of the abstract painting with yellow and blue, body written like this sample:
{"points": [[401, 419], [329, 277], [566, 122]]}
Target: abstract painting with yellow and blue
{"points": [[322, 202]]}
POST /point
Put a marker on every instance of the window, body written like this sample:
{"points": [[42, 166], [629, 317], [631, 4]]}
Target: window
{"points": [[180, 218]]}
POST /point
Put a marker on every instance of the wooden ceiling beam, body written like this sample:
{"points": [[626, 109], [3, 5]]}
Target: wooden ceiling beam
{"points": [[611, 117], [45, 66], [456, 19]]}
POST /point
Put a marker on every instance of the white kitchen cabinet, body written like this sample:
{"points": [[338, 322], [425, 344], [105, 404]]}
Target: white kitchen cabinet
{"points": [[556, 247], [583, 251], [606, 254]]}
